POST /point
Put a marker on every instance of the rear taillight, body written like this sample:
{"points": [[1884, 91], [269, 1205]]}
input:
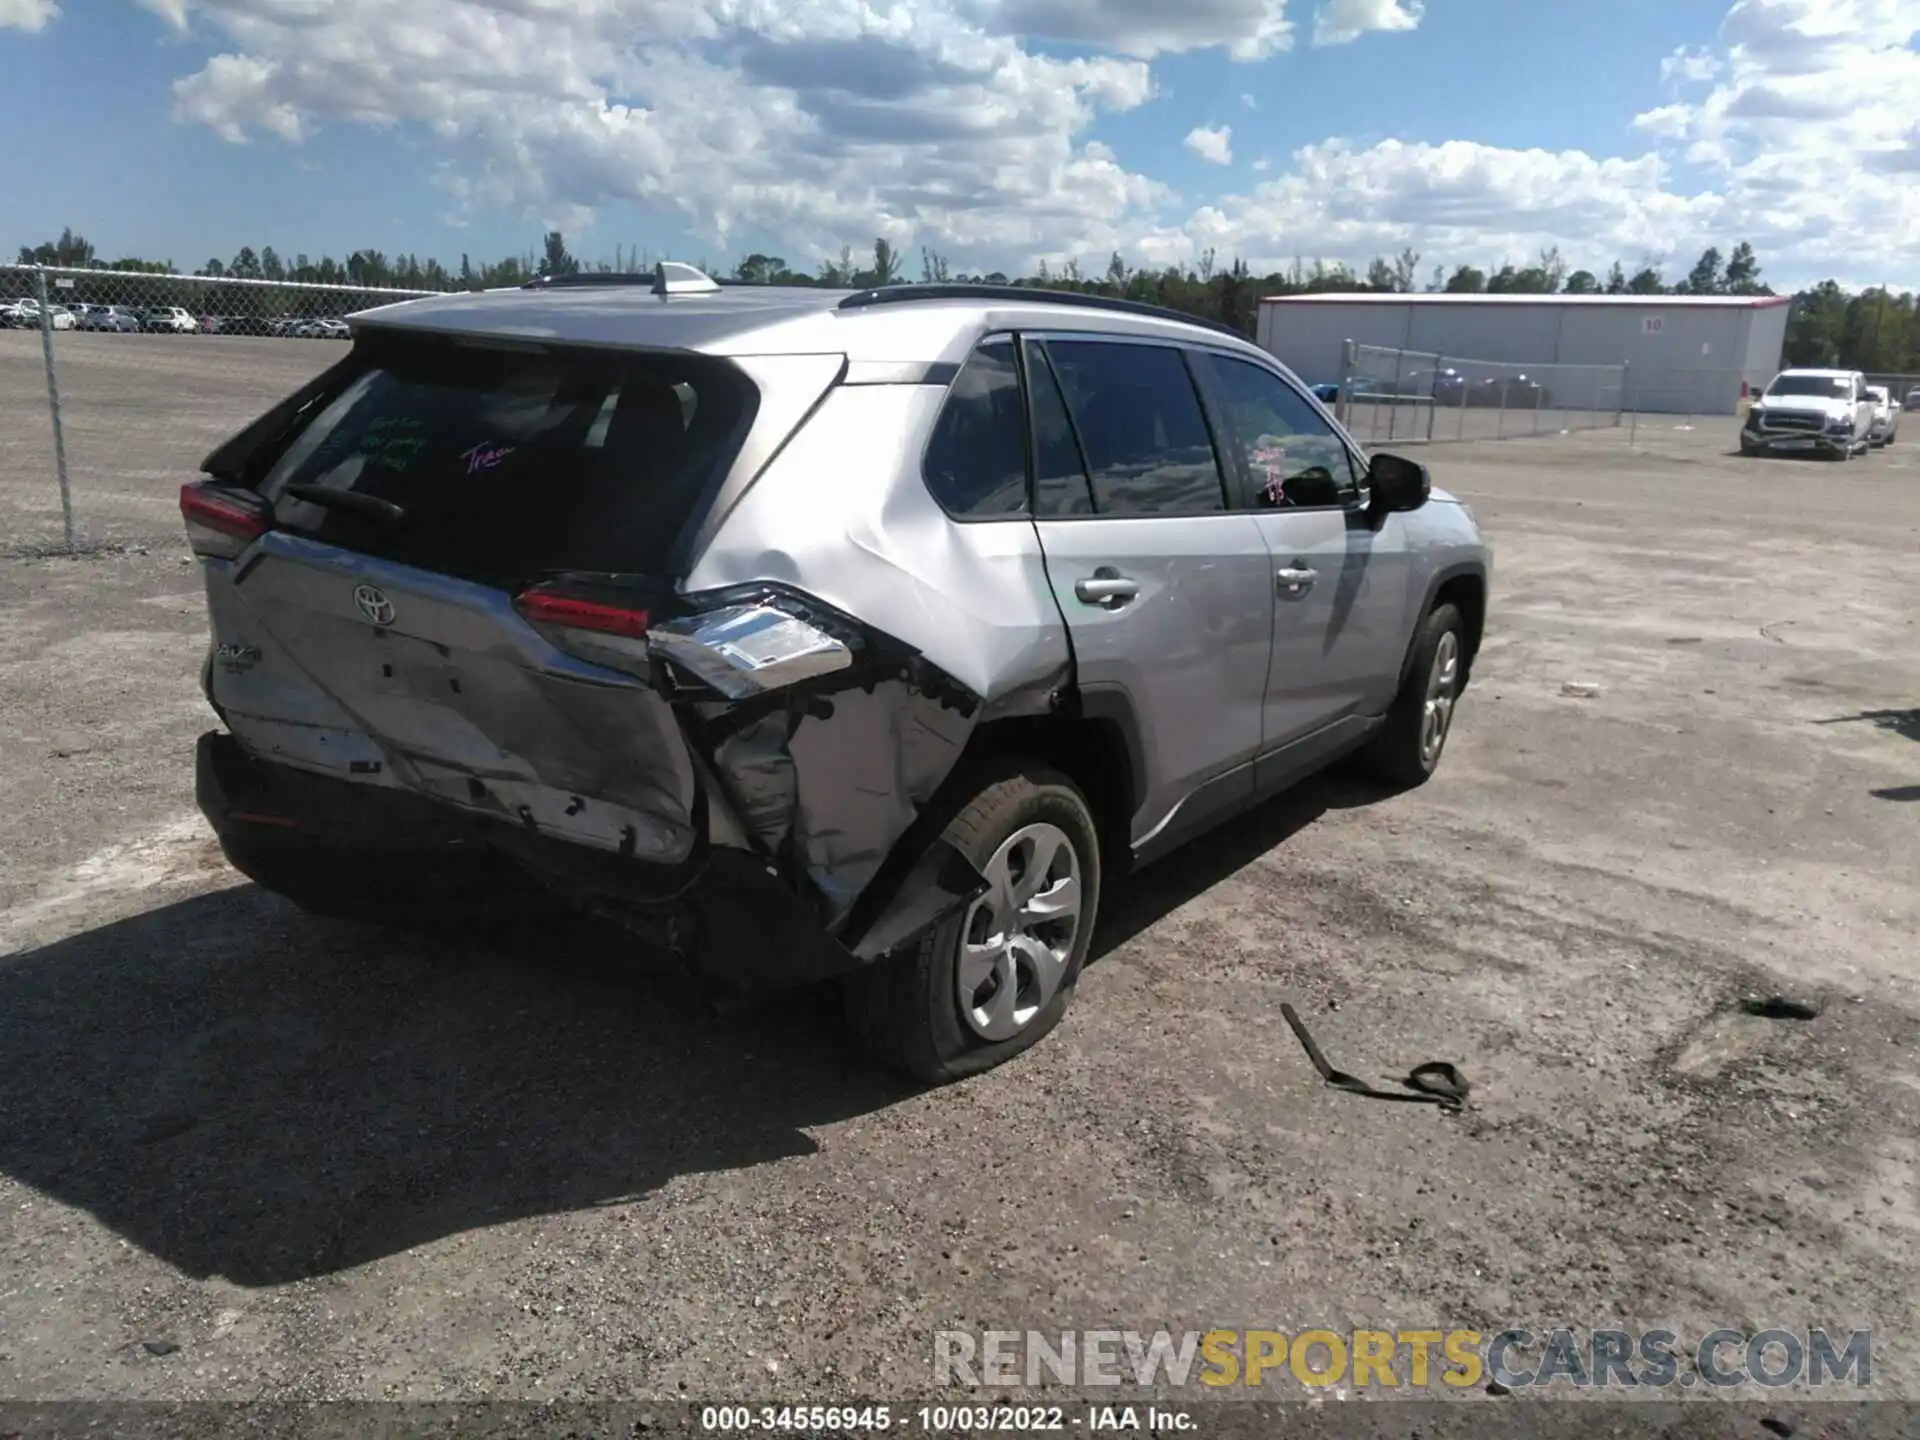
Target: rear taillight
{"points": [[595, 622], [545, 606], [222, 521], [740, 648]]}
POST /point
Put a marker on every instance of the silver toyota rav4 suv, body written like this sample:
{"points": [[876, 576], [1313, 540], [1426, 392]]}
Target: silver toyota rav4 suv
{"points": [[865, 637]]}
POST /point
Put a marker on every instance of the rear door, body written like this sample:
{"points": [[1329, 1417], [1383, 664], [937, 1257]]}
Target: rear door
{"points": [[1167, 592], [371, 633], [1340, 586]]}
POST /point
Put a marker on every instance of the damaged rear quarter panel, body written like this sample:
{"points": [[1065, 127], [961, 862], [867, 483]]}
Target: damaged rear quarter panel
{"points": [[848, 521]]}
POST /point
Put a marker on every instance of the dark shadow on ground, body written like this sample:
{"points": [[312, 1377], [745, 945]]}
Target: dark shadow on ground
{"points": [[1897, 792], [246, 1091], [1140, 900], [1904, 723]]}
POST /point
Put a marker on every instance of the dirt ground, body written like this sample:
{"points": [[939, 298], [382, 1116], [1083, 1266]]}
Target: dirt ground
{"points": [[325, 1163]]}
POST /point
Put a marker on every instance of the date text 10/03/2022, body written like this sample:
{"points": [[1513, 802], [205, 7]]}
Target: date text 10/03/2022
{"points": [[944, 1419]]}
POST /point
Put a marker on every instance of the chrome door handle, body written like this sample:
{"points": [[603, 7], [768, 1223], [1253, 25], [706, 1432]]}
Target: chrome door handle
{"points": [[1295, 578], [1106, 586]]}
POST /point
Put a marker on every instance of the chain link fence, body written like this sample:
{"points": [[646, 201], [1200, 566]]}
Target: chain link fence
{"points": [[1388, 395], [116, 384]]}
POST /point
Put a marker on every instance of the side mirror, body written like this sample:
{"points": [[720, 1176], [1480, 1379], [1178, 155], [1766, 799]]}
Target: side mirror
{"points": [[1395, 483]]}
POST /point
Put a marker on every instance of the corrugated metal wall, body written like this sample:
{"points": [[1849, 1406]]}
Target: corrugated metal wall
{"points": [[1689, 359]]}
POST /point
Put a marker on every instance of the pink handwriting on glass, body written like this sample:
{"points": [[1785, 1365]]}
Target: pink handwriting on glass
{"points": [[485, 456]]}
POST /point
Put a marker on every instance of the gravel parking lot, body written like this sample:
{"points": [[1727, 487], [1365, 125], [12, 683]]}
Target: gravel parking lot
{"points": [[324, 1163]]}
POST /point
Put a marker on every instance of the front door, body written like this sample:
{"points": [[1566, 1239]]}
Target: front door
{"points": [[1340, 586]]}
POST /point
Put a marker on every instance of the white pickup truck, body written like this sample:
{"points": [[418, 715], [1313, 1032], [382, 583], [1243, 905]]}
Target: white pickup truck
{"points": [[1823, 412]]}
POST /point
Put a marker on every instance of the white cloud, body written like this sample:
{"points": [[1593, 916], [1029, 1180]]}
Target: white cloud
{"points": [[1249, 102], [1458, 200], [1688, 66], [1246, 29], [1212, 144], [820, 122], [1666, 122], [29, 15], [1802, 92], [1339, 21]]}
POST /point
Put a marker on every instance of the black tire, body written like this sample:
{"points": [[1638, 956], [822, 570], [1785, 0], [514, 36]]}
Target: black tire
{"points": [[1398, 754], [905, 1008], [401, 889]]}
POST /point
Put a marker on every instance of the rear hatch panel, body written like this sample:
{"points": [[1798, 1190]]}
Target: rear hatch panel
{"points": [[453, 696]]}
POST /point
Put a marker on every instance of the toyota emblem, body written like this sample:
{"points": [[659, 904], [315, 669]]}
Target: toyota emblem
{"points": [[373, 604]]}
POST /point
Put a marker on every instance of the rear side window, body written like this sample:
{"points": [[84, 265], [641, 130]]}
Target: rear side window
{"points": [[506, 465], [976, 464], [1147, 447]]}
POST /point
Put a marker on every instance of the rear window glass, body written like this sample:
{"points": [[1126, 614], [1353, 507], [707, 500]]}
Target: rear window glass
{"points": [[507, 464]]}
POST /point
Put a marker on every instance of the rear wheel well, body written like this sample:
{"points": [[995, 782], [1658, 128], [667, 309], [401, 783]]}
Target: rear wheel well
{"points": [[1468, 595], [1093, 753]]}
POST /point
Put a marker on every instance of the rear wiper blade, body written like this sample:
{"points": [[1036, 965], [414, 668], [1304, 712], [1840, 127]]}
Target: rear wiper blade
{"points": [[371, 506]]}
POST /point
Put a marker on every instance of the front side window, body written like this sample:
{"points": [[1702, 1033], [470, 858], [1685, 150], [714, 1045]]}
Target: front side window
{"points": [[976, 464], [1148, 451], [1291, 455]]}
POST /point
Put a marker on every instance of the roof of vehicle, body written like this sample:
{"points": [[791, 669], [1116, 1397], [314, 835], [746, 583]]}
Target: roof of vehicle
{"points": [[921, 323], [1824, 372], [1401, 297]]}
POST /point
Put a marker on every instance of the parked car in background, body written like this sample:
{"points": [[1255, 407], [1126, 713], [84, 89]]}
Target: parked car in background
{"points": [[1886, 417], [170, 320], [1444, 385], [1509, 392], [1810, 411], [20, 314], [1913, 398], [246, 325], [116, 318], [60, 317], [320, 328], [863, 685], [1359, 387]]}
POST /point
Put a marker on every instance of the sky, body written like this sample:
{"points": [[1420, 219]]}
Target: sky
{"points": [[994, 132]]}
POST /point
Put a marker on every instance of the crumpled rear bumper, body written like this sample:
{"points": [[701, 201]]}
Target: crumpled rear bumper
{"points": [[725, 908]]}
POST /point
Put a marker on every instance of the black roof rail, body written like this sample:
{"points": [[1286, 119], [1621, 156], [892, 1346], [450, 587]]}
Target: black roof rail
{"points": [[1027, 295]]}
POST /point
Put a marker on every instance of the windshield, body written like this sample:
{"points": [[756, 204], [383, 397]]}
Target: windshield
{"points": [[1827, 387]]}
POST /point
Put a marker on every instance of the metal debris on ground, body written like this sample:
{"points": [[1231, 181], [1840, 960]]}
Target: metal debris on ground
{"points": [[1434, 1083], [1580, 689]]}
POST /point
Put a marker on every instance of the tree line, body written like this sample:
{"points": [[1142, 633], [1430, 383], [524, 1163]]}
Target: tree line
{"points": [[1876, 330]]}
